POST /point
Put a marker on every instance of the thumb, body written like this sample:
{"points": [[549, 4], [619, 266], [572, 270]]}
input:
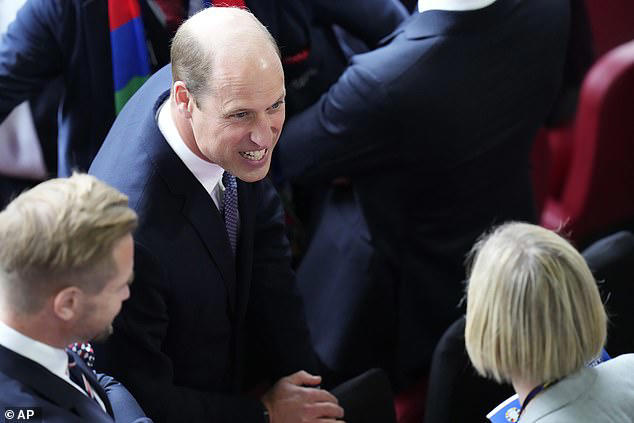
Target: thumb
{"points": [[303, 378]]}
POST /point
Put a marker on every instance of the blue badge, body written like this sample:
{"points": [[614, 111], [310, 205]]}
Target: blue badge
{"points": [[508, 411]]}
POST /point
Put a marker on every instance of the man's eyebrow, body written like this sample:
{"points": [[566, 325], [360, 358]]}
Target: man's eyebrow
{"points": [[246, 109], [280, 98]]}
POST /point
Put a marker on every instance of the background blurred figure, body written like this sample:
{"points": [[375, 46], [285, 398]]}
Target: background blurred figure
{"points": [[24, 159], [432, 133], [65, 266], [535, 319]]}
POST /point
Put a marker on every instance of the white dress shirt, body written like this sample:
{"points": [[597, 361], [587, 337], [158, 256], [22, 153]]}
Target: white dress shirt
{"points": [[452, 5], [208, 174], [55, 360]]}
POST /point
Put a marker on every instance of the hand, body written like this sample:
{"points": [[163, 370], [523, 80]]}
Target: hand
{"points": [[292, 400]]}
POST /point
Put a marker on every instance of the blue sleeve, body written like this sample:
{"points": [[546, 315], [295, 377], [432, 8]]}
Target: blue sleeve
{"points": [[341, 134], [30, 51], [124, 406]]}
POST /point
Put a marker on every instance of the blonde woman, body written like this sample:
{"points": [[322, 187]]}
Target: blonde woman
{"points": [[535, 319]]}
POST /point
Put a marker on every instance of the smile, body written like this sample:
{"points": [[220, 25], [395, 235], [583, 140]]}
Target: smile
{"points": [[253, 155]]}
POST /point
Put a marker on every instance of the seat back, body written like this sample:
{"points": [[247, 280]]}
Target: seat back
{"points": [[598, 192], [456, 392], [611, 260]]}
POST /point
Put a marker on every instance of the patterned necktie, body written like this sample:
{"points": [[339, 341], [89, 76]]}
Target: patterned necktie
{"points": [[85, 351], [230, 209]]}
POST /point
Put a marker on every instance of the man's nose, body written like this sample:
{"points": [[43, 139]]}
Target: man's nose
{"points": [[262, 134]]}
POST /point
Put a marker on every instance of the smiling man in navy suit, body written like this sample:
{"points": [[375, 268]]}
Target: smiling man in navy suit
{"points": [[213, 285], [65, 267]]}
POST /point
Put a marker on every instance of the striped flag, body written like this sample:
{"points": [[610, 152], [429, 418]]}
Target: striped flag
{"points": [[130, 61]]}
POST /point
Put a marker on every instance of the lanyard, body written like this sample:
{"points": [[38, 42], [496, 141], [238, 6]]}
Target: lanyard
{"points": [[533, 393]]}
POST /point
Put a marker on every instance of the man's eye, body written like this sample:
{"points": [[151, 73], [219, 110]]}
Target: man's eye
{"points": [[240, 115], [277, 105]]}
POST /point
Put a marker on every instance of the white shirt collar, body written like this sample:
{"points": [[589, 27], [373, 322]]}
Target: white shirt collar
{"points": [[53, 359], [452, 5], [208, 174]]}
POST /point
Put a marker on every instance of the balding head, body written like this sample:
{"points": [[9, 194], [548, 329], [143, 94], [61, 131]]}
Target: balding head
{"points": [[214, 35]]}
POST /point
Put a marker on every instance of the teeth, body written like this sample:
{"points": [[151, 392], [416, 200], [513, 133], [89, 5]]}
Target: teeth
{"points": [[253, 155]]}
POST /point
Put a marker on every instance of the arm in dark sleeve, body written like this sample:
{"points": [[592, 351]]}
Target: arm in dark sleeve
{"points": [[340, 134], [134, 355], [30, 52], [276, 313], [369, 20], [124, 406]]}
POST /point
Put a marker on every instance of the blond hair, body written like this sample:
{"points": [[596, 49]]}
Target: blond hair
{"points": [[60, 233], [533, 307], [194, 44]]}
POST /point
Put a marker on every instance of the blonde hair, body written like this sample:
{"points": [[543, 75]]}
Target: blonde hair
{"points": [[533, 307], [60, 233]]}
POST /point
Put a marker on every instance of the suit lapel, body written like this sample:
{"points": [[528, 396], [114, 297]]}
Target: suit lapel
{"points": [[198, 208], [244, 254], [205, 217], [50, 387], [94, 383]]}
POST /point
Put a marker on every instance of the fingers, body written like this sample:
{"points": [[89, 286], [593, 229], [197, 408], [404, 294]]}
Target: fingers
{"points": [[319, 395], [323, 410], [303, 378]]}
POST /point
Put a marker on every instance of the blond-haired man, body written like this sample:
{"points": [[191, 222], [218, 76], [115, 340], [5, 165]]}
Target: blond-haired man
{"points": [[66, 261], [214, 290]]}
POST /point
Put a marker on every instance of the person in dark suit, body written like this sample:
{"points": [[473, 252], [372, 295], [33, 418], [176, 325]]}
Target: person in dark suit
{"points": [[428, 137], [213, 284], [66, 264]]}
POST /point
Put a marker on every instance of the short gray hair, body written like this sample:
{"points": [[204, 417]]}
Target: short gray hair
{"points": [[533, 307], [60, 233], [192, 61]]}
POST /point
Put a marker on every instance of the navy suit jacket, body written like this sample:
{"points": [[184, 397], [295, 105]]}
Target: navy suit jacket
{"points": [[434, 130], [180, 342], [25, 383], [69, 38]]}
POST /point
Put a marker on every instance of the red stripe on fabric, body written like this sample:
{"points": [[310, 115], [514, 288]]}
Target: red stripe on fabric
{"points": [[229, 3], [296, 58], [121, 12]]}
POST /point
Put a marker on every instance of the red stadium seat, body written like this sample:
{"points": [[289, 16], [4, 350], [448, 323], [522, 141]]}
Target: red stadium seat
{"points": [[598, 190]]}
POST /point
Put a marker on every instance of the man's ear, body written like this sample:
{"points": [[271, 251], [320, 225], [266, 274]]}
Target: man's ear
{"points": [[67, 303], [183, 99]]}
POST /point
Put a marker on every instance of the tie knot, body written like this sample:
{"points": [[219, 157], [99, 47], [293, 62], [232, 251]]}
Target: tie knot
{"points": [[228, 179]]}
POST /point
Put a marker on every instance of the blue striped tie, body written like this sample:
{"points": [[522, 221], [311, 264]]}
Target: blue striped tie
{"points": [[230, 209]]}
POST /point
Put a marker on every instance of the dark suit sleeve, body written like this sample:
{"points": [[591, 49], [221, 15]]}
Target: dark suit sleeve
{"points": [[30, 52], [124, 406], [276, 314], [340, 134], [369, 20], [134, 355]]}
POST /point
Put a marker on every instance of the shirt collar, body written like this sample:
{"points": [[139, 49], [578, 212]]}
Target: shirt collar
{"points": [[207, 173], [452, 5], [53, 359]]}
